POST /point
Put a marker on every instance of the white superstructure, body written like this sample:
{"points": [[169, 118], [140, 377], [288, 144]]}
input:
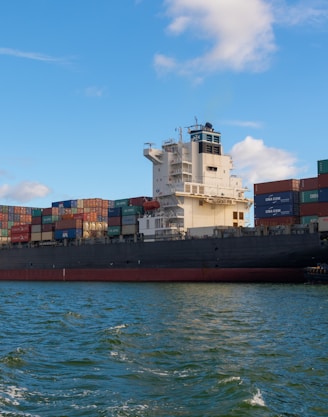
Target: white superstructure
{"points": [[193, 184]]}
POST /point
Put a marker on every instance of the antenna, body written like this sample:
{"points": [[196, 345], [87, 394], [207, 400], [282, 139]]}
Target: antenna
{"points": [[149, 144]]}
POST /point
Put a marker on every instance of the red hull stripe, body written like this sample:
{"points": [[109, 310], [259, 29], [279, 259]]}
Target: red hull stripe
{"points": [[261, 275]]}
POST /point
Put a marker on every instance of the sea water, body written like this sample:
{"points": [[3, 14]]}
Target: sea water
{"points": [[207, 350]]}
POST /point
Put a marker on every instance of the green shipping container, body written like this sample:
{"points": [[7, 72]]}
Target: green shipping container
{"points": [[130, 210], [124, 202], [309, 219], [323, 166], [36, 212], [311, 196], [114, 231]]}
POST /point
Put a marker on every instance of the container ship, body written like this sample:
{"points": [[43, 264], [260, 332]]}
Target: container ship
{"points": [[193, 228]]}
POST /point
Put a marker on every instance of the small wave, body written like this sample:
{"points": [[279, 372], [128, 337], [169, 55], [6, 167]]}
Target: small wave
{"points": [[257, 399], [231, 379], [11, 394]]}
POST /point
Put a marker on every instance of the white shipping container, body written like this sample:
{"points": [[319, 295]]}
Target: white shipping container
{"points": [[323, 224], [48, 235], [36, 237]]}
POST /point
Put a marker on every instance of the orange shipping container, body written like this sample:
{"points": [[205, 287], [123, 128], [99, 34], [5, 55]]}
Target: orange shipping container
{"points": [[283, 220]]}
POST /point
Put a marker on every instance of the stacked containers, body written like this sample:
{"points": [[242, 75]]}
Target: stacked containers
{"points": [[123, 216], [68, 229], [20, 233], [92, 211], [36, 228], [277, 203], [12, 216], [323, 195], [309, 196], [114, 221]]}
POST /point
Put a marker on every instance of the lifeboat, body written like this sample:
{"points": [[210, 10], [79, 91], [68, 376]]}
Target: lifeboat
{"points": [[151, 205]]}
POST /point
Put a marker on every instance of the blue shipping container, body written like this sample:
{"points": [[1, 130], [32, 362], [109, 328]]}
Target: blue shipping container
{"points": [[114, 211], [285, 197], [68, 234], [323, 195], [276, 210]]}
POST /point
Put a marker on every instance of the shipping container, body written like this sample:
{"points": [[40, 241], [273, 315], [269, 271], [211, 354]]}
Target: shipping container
{"points": [[48, 227], [20, 237], [285, 197], [124, 202], [309, 219], [323, 181], [138, 201], [49, 219], [277, 186], [323, 166], [114, 221], [48, 235], [36, 237], [277, 221], [36, 220], [323, 209], [323, 195], [50, 211], [277, 210], [36, 228], [129, 210], [21, 228], [68, 224], [68, 234], [4, 232], [309, 209], [114, 231], [114, 211], [36, 212], [309, 196], [130, 230], [323, 224], [132, 219]]}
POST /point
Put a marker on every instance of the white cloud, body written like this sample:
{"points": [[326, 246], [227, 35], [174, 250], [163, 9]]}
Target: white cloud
{"points": [[30, 55], [238, 35], [243, 123], [23, 192], [255, 162]]}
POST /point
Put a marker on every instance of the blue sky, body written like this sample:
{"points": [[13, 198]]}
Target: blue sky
{"points": [[85, 84]]}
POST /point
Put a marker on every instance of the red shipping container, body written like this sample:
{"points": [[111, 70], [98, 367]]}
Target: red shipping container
{"points": [[308, 184], [277, 186], [323, 181], [309, 209], [36, 220], [48, 227], [68, 224], [20, 237], [323, 209], [114, 221], [21, 228]]}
